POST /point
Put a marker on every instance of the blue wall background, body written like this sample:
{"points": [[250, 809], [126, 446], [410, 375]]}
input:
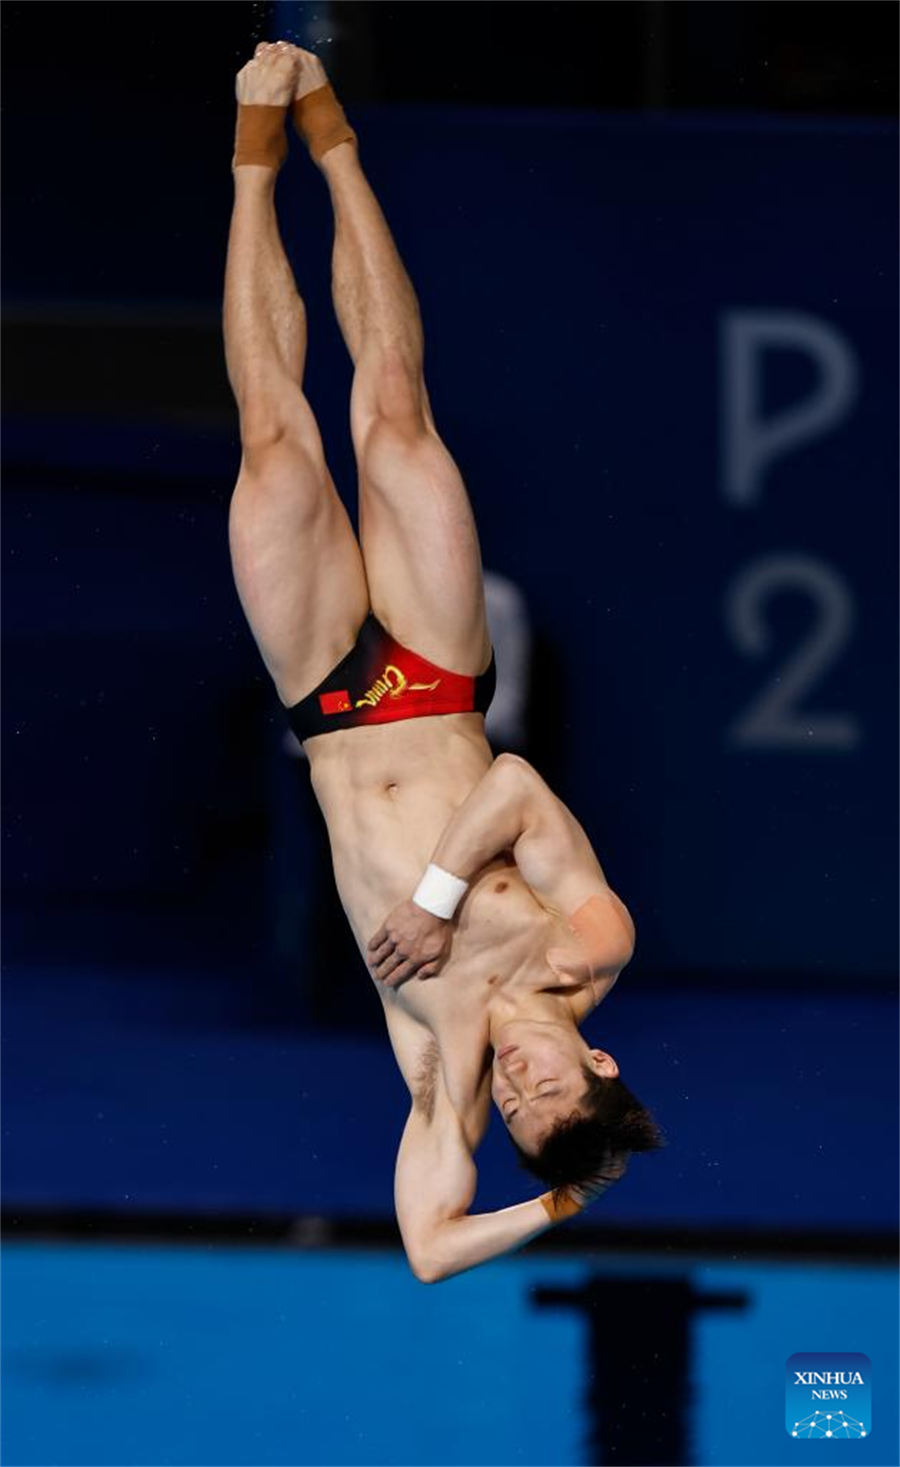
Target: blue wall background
{"points": [[598, 291]]}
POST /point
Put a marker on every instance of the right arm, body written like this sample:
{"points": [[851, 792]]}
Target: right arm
{"points": [[435, 1176], [413, 942], [510, 808], [434, 1186], [490, 819], [513, 808]]}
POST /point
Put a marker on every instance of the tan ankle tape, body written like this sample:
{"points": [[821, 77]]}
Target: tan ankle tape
{"points": [[319, 119], [260, 136]]}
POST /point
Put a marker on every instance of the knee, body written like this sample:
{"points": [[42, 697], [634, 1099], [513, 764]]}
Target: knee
{"points": [[396, 387], [389, 406], [273, 425], [401, 451], [272, 446], [261, 432], [279, 480]]}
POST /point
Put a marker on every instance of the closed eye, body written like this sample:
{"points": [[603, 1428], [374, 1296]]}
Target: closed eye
{"points": [[508, 1114]]}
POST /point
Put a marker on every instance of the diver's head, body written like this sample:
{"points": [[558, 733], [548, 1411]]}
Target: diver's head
{"points": [[567, 1111], [539, 1077]]}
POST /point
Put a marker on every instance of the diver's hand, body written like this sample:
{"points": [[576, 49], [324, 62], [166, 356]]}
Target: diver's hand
{"points": [[411, 943]]}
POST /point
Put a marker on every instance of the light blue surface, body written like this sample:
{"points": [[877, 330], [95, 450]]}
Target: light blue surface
{"points": [[739, 1361], [202, 1355]]}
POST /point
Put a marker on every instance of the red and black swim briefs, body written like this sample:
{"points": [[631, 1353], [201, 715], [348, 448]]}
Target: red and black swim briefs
{"points": [[381, 681]]}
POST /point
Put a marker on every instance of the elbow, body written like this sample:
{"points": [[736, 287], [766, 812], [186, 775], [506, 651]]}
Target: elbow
{"points": [[429, 1260], [516, 774], [422, 1253], [426, 1268], [513, 765]]}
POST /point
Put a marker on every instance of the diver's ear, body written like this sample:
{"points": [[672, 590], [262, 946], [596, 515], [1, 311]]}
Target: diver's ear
{"points": [[603, 1064]]}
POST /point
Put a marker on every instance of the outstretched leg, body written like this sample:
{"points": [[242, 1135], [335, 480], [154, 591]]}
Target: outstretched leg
{"points": [[297, 563], [417, 530]]}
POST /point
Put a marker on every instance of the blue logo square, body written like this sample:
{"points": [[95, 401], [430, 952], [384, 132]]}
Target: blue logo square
{"points": [[828, 1396]]}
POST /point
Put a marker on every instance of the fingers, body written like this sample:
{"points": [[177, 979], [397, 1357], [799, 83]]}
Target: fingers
{"points": [[384, 957], [393, 957], [400, 974], [396, 968], [379, 940], [393, 967], [388, 965], [402, 968]]}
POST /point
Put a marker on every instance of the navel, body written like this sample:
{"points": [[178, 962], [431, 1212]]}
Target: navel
{"points": [[501, 886]]}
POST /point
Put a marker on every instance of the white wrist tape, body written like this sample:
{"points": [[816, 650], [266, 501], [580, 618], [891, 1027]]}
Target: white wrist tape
{"points": [[439, 892]]}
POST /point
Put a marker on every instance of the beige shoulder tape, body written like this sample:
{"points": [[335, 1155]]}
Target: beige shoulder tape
{"points": [[600, 923]]}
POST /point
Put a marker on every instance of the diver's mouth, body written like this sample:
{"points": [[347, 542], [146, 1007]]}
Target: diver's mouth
{"points": [[507, 1049]]}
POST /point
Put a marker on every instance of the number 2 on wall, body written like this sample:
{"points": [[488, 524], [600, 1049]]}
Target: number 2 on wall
{"points": [[776, 719]]}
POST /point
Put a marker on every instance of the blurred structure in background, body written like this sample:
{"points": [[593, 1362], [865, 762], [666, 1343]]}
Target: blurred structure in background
{"points": [[656, 250]]}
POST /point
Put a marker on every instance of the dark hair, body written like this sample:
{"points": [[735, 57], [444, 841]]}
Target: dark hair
{"points": [[608, 1123]]}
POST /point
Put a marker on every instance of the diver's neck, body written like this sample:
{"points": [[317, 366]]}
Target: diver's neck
{"points": [[527, 1007]]}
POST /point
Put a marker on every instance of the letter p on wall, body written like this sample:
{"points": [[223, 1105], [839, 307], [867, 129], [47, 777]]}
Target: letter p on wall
{"points": [[749, 442]]}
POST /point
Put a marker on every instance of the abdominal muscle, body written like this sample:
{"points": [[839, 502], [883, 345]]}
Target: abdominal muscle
{"points": [[387, 793]]}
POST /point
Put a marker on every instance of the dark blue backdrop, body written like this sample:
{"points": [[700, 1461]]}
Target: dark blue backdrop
{"points": [[662, 351]]}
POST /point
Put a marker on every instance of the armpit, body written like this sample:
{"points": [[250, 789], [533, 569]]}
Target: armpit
{"points": [[425, 1080]]}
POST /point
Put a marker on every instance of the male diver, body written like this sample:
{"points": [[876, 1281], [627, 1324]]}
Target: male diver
{"points": [[447, 860]]}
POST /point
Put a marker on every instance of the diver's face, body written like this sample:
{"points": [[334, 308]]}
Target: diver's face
{"points": [[538, 1080]]}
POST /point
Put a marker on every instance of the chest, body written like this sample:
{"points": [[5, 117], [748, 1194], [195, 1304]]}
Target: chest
{"points": [[501, 941]]}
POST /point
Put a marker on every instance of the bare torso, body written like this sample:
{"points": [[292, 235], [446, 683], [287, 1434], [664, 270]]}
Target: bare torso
{"points": [[387, 793]]}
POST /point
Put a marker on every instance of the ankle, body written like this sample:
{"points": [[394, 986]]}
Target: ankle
{"points": [[341, 169], [341, 158], [253, 178]]}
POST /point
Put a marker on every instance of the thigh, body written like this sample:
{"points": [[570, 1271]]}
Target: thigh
{"points": [[297, 566], [420, 547]]}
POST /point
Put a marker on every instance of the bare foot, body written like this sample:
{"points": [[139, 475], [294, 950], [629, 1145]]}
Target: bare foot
{"points": [[270, 78], [312, 74]]}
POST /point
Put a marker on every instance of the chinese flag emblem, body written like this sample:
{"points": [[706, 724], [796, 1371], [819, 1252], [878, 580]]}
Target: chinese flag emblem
{"points": [[335, 702]]}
